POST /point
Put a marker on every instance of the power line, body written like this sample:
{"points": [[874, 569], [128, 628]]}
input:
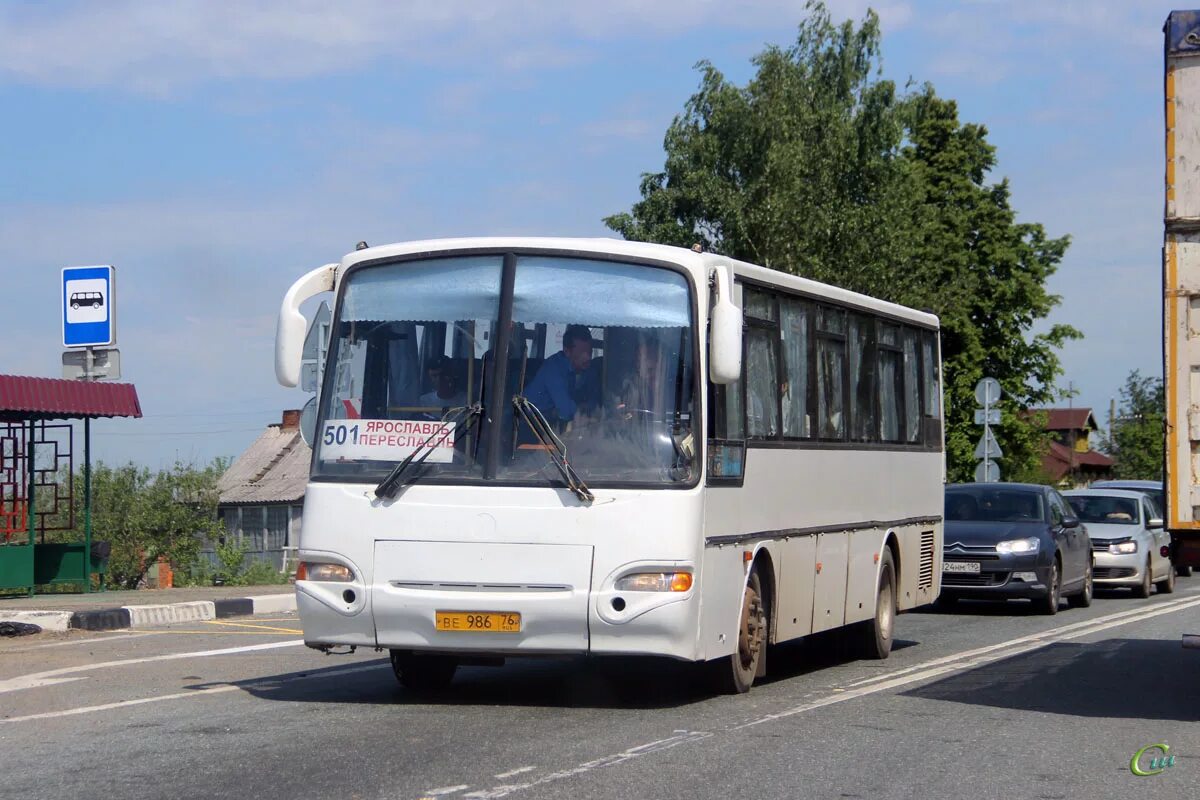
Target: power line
{"points": [[174, 433], [214, 414]]}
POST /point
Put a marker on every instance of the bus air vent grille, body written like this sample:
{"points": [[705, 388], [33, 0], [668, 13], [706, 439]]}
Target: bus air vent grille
{"points": [[926, 576]]}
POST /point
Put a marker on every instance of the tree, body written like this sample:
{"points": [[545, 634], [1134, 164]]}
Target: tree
{"points": [[147, 515], [818, 167], [1135, 437]]}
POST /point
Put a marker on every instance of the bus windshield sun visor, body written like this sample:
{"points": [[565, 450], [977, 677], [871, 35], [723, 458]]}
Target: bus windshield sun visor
{"points": [[556, 451], [463, 417]]}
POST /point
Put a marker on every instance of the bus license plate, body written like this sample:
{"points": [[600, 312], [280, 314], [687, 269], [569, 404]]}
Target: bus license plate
{"points": [[477, 621], [970, 567]]}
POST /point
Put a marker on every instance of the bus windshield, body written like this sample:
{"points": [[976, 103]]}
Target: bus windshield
{"points": [[603, 350]]}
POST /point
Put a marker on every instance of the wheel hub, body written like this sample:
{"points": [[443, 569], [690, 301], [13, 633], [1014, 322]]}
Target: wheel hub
{"points": [[750, 636]]}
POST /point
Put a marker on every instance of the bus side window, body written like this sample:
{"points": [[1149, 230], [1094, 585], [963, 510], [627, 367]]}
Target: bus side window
{"points": [[931, 393]]}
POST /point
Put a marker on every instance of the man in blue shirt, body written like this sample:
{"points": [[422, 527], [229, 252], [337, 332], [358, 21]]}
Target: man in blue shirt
{"points": [[565, 384]]}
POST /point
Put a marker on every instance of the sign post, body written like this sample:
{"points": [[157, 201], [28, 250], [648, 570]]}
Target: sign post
{"points": [[89, 320], [987, 392]]}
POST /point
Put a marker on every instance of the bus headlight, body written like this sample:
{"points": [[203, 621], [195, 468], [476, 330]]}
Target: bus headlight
{"points": [[1017, 546], [655, 582], [1122, 548], [316, 571]]}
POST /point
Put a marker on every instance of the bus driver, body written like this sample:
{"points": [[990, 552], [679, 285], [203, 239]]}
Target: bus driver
{"points": [[565, 384]]}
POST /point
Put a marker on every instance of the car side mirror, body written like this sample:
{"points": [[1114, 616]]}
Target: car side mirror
{"points": [[1154, 523], [1070, 522]]}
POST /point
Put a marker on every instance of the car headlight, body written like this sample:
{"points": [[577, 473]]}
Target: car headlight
{"points": [[317, 571], [1123, 548], [1019, 546], [655, 582]]}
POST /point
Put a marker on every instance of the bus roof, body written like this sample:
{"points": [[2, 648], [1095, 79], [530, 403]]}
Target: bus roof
{"points": [[837, 294], [660, 252]]}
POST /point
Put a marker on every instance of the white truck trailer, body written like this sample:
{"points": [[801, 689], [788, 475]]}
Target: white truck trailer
{"points": [[1181, 287]]}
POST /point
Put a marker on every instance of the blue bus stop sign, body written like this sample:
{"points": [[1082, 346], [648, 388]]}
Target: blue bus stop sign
{"points": [[88, 306]]}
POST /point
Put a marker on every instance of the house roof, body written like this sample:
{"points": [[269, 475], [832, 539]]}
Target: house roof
{"points": [[274, 469], [54, 398], [1060, 459], [1068, 419]]}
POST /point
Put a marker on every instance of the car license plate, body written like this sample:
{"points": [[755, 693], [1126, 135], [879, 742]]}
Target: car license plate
{"points": [[970, 567], [477, 621]]}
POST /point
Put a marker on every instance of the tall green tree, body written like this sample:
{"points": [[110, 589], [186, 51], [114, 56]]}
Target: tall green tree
{"points": [[985, 275], [1135, 437], [819, 167]]}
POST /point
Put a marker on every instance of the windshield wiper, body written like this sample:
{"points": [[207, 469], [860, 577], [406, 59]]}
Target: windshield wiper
{"points": [[555, 449], [389, 486]]}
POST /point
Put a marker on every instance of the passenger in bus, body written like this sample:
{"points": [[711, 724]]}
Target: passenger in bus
{"points": [[446, 394], [566, 383]]}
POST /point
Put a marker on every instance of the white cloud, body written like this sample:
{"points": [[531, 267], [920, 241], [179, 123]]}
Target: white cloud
{"points": [[157, 47], [988, 40]]}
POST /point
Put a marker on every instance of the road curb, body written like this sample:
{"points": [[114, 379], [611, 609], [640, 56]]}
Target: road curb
{"points": [[57, 621], [112, 619]]}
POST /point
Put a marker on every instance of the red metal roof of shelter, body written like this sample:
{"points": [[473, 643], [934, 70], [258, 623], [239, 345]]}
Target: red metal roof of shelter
{"points": [[55, 398]]}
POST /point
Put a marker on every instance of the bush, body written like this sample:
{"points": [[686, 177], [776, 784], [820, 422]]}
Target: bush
{"points": [[261, 573]]}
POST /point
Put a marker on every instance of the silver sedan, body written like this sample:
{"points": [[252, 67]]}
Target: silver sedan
{"points": [[1130, 545]]}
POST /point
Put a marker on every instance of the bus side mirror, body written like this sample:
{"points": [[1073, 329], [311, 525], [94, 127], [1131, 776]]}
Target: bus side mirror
{"points": [[292, 327], [724, 332]]}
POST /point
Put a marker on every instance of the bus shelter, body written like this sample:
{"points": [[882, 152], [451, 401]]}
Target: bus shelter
{"points": [[37, 477]]}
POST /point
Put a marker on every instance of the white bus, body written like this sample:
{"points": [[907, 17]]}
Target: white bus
{"points": [[677, 455]]}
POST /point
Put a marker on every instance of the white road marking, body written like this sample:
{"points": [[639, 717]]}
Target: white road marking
{"points": [[503, 790], [958, 662], [122, 704], [35, 683], [513, 772], [446, 790], [1119, 618], [209, 690], [15, 684], [104, 638], [981, 656]]}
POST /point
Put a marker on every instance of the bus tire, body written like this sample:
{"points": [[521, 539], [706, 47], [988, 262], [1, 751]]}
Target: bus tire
{"points": [[1183, 571], [873, 638], [735, 673], [423, 673]]}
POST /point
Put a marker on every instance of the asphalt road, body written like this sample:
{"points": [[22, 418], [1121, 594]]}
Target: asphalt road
{"points": [[987, 701]]}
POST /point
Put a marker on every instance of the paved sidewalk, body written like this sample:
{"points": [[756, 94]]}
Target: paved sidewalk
{"points": [[105, 611]]}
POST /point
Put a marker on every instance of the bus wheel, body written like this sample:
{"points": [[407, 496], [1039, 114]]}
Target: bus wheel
{"points": [[874, 637], [423, 673], [735, 673]]}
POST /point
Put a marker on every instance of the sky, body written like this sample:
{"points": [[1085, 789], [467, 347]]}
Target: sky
{"points": [[216, 151]]}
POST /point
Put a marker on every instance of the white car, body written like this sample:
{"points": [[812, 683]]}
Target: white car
{"points": [[1130, 545]]}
